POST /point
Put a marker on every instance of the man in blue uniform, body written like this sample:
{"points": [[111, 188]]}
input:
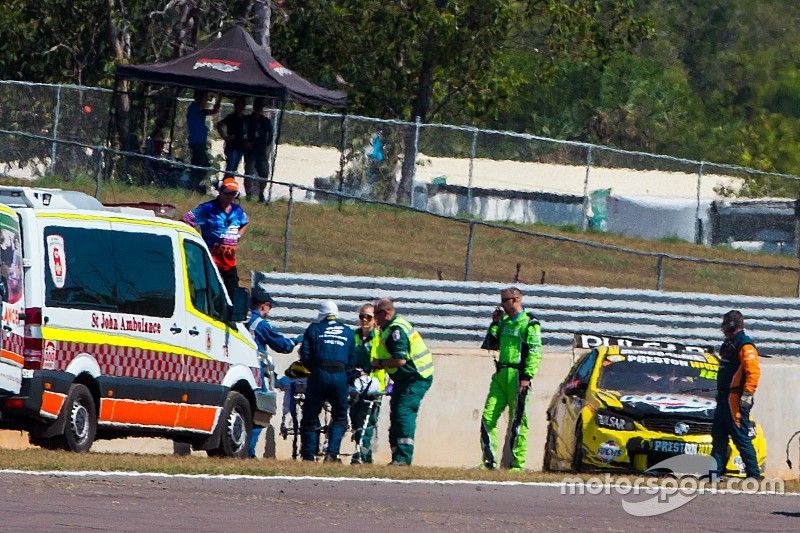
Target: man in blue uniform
{"points": [[265, 335], [329, 351]]}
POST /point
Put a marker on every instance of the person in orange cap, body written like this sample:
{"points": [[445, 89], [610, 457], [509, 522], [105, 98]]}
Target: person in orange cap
{"points": [[222, 223]]}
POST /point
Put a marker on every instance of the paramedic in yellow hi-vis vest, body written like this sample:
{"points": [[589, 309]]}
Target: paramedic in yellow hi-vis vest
{"points": [[403, 354], [516, 334], [364, 411]]}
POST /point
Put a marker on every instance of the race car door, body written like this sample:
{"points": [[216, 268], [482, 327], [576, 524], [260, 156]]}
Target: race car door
{"points": [[567, 411]]}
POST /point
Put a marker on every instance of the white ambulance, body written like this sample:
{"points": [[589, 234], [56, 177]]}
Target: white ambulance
{"points": [[116, 323]]}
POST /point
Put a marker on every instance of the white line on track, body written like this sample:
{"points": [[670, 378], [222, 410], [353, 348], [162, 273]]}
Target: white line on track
{"points": [[566, 486]]}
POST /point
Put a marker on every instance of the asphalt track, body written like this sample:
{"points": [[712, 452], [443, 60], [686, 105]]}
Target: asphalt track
{"points": [[47, 502]]}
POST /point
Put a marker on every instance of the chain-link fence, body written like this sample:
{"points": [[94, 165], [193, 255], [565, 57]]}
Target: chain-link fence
{"points": [[470, 178]]}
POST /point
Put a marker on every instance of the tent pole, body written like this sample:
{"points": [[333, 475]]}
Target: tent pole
{"points": [[172, 121], [105, 171], [342, 140], [277, 140]]}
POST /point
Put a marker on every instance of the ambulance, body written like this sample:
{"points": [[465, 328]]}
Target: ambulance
{"points": [[116, 323]]}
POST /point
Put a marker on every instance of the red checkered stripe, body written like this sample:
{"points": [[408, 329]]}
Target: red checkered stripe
{"points": [[14, 343], [123, 361], [205, 370]]}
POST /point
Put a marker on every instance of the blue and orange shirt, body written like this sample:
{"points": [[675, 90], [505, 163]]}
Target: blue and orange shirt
{"points": [[218, 227], [738, 366]]}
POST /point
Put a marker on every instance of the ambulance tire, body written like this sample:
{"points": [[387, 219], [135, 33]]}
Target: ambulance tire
{"points": [[80, 428], [236, 427]]}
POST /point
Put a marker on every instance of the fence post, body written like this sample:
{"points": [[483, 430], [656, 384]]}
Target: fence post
{"points": [[660, 273], [342, 161], [698, 233], [417, 125], [472, 153], [56, 119], [798, 282], [468, 258], [276, 128], [101, 156], [584, 218], [286, 235]]}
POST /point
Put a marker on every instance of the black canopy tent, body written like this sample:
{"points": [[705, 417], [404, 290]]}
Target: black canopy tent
{"points": [[234, 64]]}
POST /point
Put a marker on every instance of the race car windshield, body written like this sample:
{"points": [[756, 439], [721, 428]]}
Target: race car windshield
{"points": [[646, 373]]}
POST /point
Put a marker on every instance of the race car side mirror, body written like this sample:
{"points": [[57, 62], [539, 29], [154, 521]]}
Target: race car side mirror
{"points": [[574, 387]]}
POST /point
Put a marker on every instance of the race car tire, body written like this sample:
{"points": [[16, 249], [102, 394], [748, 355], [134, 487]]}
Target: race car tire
{"points": [[549, 450], [236, 427], [577, 455], [81, 420]]}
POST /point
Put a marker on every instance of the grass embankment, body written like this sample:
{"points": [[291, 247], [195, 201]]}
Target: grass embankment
{"points": [[361, 239], [45, 460]]}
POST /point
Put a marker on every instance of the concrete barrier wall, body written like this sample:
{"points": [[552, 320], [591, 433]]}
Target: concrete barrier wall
{"points": [[454, 311], [449, 419]]}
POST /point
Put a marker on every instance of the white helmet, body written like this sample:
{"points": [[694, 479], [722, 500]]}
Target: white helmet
{"points": [[327, 308]]}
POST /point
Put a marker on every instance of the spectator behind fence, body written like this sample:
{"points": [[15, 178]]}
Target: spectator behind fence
{"points": [[198, 136], [257, 148], [233, 128]]}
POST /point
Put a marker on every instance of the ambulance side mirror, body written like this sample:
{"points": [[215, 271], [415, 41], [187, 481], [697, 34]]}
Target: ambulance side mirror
{"points": [[238, 311]]}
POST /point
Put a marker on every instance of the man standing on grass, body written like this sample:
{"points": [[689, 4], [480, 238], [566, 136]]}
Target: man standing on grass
{"points": [[518, 337], [409, 363]]}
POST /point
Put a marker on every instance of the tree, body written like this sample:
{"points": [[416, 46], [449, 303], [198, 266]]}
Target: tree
{"points": [[447, 61]]}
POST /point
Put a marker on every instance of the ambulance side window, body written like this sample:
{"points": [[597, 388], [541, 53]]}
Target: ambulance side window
{"points": [[106, 270], [146, 274], [79, 269], [205, 290]]}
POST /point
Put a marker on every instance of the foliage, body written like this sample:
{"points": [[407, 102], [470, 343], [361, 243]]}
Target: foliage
{"points": [[716, 81]]}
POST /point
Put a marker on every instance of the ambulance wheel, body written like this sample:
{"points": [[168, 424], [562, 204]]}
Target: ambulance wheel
{"points": [[236, 427], [80, 426]]}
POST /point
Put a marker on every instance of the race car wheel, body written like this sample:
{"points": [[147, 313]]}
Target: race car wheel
{"points": [[81, 423], [549, 450], [577, 456], [237, 425]]}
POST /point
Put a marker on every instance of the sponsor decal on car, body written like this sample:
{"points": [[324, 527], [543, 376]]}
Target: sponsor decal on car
{"points": [[608, 451], [670, 404], [676, 447]]}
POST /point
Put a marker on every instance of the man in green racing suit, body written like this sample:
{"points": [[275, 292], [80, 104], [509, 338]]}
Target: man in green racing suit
{"points": [[516, 334]]}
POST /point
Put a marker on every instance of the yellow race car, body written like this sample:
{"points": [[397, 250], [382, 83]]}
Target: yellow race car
{"points": [[627, 405]]}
